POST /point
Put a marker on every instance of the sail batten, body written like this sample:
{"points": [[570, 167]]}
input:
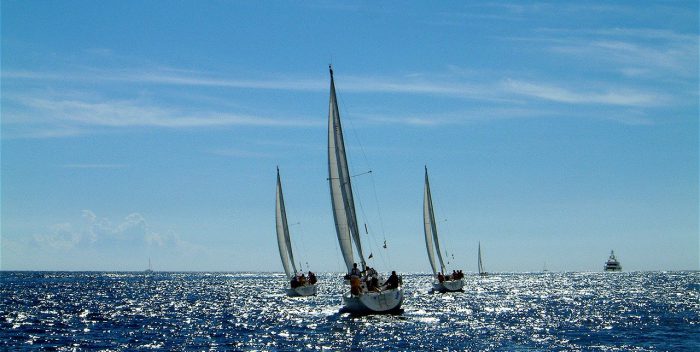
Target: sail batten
{"points": [[283, 240]]}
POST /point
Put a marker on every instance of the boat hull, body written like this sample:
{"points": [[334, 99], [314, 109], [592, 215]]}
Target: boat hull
{"points": [[613, 269], [302, 291], [385, 302], [449, 286]]}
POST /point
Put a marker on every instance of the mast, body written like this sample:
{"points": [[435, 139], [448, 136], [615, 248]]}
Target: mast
{"points": [[340, 187], [283, 240], [431, 227]]}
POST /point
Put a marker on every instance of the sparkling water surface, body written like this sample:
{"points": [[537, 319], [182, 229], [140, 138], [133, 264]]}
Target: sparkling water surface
{"points": [[639, 311]]}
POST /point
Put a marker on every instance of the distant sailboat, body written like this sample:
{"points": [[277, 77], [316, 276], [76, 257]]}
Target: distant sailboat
{"points": [[612, 264], [482, 271], [358, 299], [443, 281], [300, 286], [149, 270]]}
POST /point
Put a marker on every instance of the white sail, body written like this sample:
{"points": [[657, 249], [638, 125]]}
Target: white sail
{"points": [[481, 265], [360, 302], [428, 226], [283, 240], [340, 187], [432, 243]]}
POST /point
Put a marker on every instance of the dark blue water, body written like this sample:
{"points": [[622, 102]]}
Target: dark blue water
{"points": [[646, 311]]}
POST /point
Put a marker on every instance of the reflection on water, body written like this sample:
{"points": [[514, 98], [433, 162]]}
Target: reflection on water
{"points": [[219, 311]]}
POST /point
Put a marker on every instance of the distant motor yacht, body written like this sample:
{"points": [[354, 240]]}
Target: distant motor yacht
{"points": [[612, 264]]}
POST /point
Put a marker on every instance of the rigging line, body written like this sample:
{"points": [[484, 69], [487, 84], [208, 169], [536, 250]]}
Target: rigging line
{"points": [[303, 254], [374, 187], [373, 240], [445, 234], [364, 173], [338, 178], [379, 213], [383, 258], [366, 160]]}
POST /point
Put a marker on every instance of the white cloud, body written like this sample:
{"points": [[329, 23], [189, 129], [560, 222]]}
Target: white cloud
{"points": [[97, 232], [59, 236]]}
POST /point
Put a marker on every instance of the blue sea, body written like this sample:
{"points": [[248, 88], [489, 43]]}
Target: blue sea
{"points": [[127, 311]]}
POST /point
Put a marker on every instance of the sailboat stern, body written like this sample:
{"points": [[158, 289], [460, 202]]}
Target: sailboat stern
{"points": [[385, 302], [449, 286], [303, 291]]}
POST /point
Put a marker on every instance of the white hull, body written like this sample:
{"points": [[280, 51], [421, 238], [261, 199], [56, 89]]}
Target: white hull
{"points": [[449, 286], [302, 291], [387, 301]]}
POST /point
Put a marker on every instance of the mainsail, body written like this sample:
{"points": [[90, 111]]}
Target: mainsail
{"points": [[481, 265], [432, 244], [341, 190], [283, 241]]}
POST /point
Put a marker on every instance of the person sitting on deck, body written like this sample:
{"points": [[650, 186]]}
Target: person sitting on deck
{"points": [[392, 282], [374, 283], [440, 277], [355, 271], [302, 280], [312, 278], [294, 282], [371, 272]]}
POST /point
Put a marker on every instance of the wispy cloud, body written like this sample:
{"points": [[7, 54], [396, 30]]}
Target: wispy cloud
{"points": [[73, 112], [94, 166], [452, 83], [676, 59], [73, 116], [239, 153], [621, 115], [169, 76], [622, 97]]}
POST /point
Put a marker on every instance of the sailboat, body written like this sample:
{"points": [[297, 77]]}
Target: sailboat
{"points": [[149, 270], [299, 287], [358, 299], [443, 282], [482, 271]]}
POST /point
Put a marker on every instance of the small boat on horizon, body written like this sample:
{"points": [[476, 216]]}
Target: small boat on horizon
{"points": [[482, 271], [368, 294], [149, 270], [300, 285], [612, 264], [442, 281]]}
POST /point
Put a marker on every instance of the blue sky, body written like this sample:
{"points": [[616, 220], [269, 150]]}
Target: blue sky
{"points": [[552, 132]]}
